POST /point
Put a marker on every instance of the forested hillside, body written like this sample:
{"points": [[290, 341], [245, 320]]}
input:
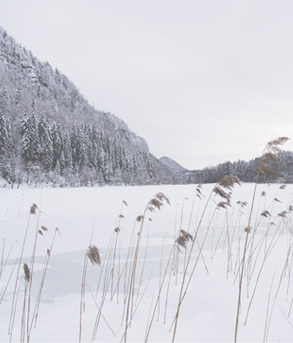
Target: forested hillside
{"points": [[247, 171], [50, 134]]}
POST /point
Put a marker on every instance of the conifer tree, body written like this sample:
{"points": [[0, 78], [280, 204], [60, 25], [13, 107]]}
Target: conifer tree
{"points": [[25, 142], [7, 156], [93, 148], [5, 102], [47, 156], [74, 142], [83, 156], [3, 135], [56, 136], [150, 167], [67, 151], [62, 163]]}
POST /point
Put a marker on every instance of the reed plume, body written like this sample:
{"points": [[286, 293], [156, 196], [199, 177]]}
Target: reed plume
{"points": [[94, 255], [27, 274], [268, 159], [33, 209], [183, 238]]}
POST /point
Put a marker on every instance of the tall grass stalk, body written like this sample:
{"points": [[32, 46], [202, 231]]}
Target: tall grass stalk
{"points": [[155, 203], [186, 267], [4, 289], [23, 319], [14, 310], [137, 305], [46, 263], [226, 182], [2, 259], [27, 278], [100, 307], [159, 295], [105, 265], [268, 306], [127, 270], [93, 255], [117, 231], [289, 275], [275, 298], [13, 305], [144, 259], [38, 232], [272, 243], [94, 299], [268, 157], [160, 277]]}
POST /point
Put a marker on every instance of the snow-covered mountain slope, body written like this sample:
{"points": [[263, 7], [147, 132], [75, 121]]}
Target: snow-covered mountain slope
{"points": [[42, 110]]}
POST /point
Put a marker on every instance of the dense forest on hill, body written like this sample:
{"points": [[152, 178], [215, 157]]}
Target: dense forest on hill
{"points": [[50, 134]]}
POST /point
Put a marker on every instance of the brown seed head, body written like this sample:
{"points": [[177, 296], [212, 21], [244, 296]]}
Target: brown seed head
{"points": [[248, 229], [273, 145], [139, 218], [222, 204], [218, 190], [283, 214], [156, 203], [27, 274], [270, 157], [265, 214], [182, 239], [228, 181], [162, 197], [33, 209], [94, 254], [186, 234]]}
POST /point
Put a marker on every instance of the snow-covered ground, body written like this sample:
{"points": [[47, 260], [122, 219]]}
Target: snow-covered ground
{"points": [[89, 216]]}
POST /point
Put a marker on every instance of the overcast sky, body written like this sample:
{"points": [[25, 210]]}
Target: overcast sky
{"points": [[202, 81]]}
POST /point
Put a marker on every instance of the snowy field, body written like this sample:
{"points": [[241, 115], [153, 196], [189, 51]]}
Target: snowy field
{"points": [[133, 294]]}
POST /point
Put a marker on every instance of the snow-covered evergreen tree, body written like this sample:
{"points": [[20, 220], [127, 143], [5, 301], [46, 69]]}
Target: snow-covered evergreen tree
{"points": [[25, 142]]}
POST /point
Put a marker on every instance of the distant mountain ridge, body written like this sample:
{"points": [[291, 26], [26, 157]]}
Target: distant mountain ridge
{"points": [[51, 134], [172, 164], [181, 175]]}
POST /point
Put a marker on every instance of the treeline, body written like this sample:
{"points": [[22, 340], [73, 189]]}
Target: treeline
{"points": [[43, 152], [247, 171]]}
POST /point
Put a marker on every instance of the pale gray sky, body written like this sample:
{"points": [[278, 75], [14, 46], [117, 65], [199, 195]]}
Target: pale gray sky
{"points": [[202, 81]]}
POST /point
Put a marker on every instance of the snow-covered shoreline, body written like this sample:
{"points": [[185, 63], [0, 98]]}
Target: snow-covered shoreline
{"points": [[208, 311]]}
